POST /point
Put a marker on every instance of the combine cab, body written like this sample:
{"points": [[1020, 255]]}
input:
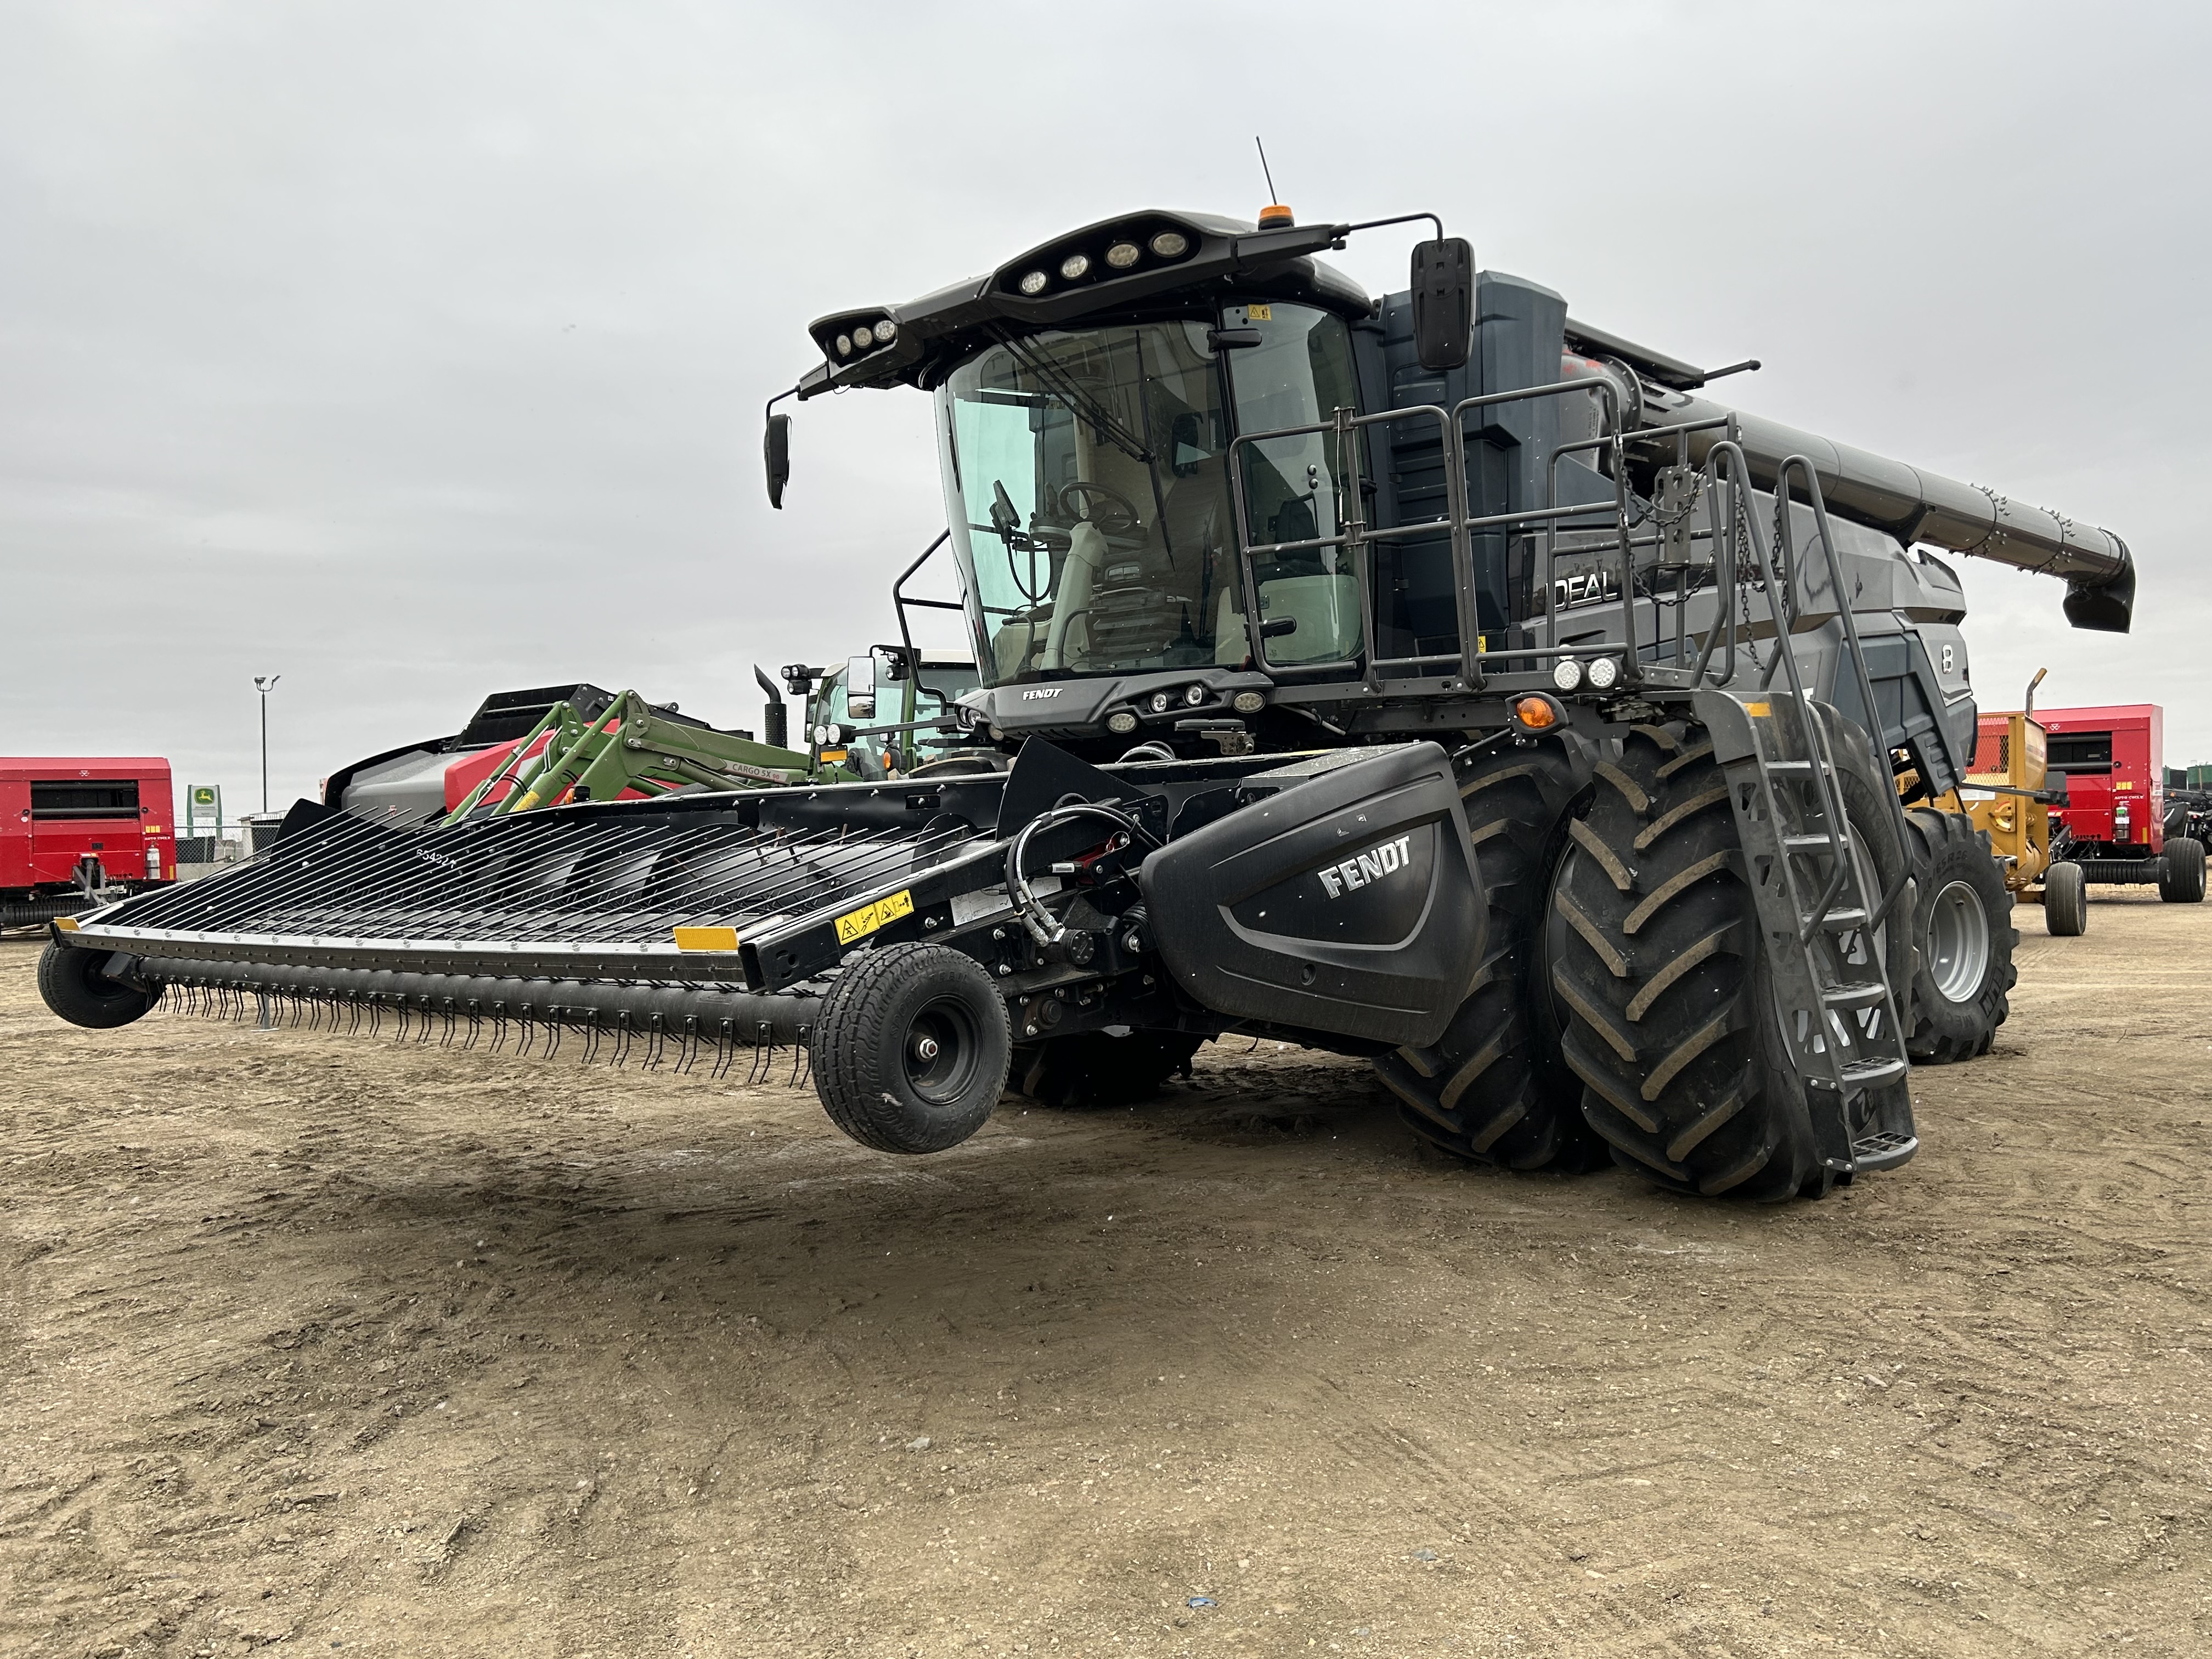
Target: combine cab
{"points": [[1433, 677]]}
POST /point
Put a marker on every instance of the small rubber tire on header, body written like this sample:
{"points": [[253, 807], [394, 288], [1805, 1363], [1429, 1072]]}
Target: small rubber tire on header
{"points": [[2181, 871], [911, 1047], [2065, 901], [1096, 1068], [76, 985]]}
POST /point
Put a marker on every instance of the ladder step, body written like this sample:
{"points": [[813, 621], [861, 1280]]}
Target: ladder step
{"points": [[1789, 766], [1854, 996], [1812, 840], [1874, 1073], [1839, 920], [1883, 1150]]}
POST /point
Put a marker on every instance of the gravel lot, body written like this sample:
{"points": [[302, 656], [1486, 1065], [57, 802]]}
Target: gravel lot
{"points": [[324, 1343]]}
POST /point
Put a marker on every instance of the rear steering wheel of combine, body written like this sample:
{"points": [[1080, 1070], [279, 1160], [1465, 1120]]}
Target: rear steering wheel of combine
{"points": [[1492, 1089], [2065, 901], [2181, 871], [1673, 1025], [76, 985], [1096, 1068], [1959, 989], [910, 1048]]}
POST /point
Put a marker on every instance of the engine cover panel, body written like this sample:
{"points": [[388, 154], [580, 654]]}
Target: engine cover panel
{"points": [[1350, 903]]}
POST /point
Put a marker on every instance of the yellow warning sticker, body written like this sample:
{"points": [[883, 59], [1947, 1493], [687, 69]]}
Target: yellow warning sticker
{"points": [[67, 924], [706, 939], [1758, 710], [858, 924], [1259, 313]]}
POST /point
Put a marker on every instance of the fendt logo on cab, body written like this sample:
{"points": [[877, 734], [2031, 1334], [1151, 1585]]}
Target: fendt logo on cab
{"points": [[1038, 696], [1372, 865]]}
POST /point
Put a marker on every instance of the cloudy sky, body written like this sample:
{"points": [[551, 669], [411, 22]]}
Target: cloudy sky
{"points": [[415, 351]]}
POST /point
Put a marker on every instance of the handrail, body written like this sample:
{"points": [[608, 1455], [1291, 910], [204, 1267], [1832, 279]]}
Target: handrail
{"points": [[1856, 648]]}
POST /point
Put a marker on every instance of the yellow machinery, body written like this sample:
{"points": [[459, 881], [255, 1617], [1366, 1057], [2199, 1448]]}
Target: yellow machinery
{"points": [[2011, 803]]}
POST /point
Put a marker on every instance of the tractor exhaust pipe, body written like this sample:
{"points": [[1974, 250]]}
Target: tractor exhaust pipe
{"points": [[776, 719]]}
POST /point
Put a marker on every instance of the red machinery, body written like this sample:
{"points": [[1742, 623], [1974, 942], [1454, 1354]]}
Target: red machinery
{"points": [[2112, 821], [70, 827]]}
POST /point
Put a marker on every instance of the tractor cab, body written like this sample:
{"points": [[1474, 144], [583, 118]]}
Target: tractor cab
{"points": [[900, 706]]}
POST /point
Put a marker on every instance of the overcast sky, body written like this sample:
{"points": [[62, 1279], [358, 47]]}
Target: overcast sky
{"points": [[418, 351]]}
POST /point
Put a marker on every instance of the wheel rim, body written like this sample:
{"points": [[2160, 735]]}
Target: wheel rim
{"points": [[940, 1052], [1958, 943]]}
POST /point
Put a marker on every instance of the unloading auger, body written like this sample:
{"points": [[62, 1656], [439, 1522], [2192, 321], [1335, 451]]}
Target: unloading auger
{"points": [[1435, 679]]}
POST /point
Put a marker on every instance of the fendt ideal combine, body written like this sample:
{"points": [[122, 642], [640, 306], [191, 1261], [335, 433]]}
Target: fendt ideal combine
{"points": [[1435, 678]]}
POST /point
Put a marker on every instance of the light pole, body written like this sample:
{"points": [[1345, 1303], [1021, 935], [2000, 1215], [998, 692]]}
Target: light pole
{"points": [[264, 683]]}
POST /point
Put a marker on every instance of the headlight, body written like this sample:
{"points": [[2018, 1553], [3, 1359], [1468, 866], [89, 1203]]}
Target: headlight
{"points": [[886, 331], [1194, 696], [1121, 722], [863, 338], [1074, 265], [1249, 702], [833, 734], [1567, 674], [1034, 283], [821, 735], [1604, 674], [1121, 255], [1161, 699], [1170, 244], [844, 345]]}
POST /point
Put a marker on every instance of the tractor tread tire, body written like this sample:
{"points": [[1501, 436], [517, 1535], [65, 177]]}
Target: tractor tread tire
{"points": [[1089, 1069], [1491, 1088], [73, 986], [1675, 1030], [1946, 847], [859, 1035], [2181, 871]]}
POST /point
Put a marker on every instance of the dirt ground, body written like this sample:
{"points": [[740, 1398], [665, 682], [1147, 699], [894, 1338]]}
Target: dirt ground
{"points": [[326, 1343]]}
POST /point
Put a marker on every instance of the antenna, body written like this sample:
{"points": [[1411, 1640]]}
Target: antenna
{"points": [[1264, 172]]}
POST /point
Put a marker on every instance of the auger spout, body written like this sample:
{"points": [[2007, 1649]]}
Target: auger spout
{"points": [[1918, 505]]}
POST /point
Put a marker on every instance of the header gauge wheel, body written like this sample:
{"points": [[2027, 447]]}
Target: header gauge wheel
{"points": [[910, 1048]]}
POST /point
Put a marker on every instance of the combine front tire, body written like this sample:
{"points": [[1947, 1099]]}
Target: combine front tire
{"points": [[76, 986], [1967, 939], [1674, 1028], [1492, 1089], [1096, 1068], [2181, 871], [2065, 901], [910, 1048]]}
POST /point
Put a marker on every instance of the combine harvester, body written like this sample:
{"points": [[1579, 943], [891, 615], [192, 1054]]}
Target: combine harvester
{"points": [[1435, 678]]}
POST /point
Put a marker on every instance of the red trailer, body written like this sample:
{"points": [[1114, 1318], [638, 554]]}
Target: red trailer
{"points": [[2113, 821], [70, 827]]}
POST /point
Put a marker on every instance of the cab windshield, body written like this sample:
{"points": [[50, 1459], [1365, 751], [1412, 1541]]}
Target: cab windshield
{"points": [[1085, 476]]}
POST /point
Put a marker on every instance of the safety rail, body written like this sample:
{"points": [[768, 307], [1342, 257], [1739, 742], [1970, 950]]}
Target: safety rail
{"points": [[1612, 521]]}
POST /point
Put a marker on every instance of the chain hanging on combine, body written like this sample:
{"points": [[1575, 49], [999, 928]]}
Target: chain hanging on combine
{"points": [[1515, 717]]}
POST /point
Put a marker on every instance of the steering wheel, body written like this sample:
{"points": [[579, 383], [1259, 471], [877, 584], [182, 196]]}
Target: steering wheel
{"points": [[1114, 516]]}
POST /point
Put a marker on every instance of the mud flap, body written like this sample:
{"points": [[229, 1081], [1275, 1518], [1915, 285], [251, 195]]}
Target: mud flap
{"points": [[1350, 903]]}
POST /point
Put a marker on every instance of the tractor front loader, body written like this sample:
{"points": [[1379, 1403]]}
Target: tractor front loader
{"points": [[1434, 679]]}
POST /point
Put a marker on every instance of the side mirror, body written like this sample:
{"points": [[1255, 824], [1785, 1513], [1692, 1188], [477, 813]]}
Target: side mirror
{"points": [[860, 688], [1444, 302], [775, 449]]}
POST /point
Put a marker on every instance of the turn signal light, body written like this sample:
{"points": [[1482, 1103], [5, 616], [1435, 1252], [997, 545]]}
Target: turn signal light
{"points": [[1535, 714]]}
